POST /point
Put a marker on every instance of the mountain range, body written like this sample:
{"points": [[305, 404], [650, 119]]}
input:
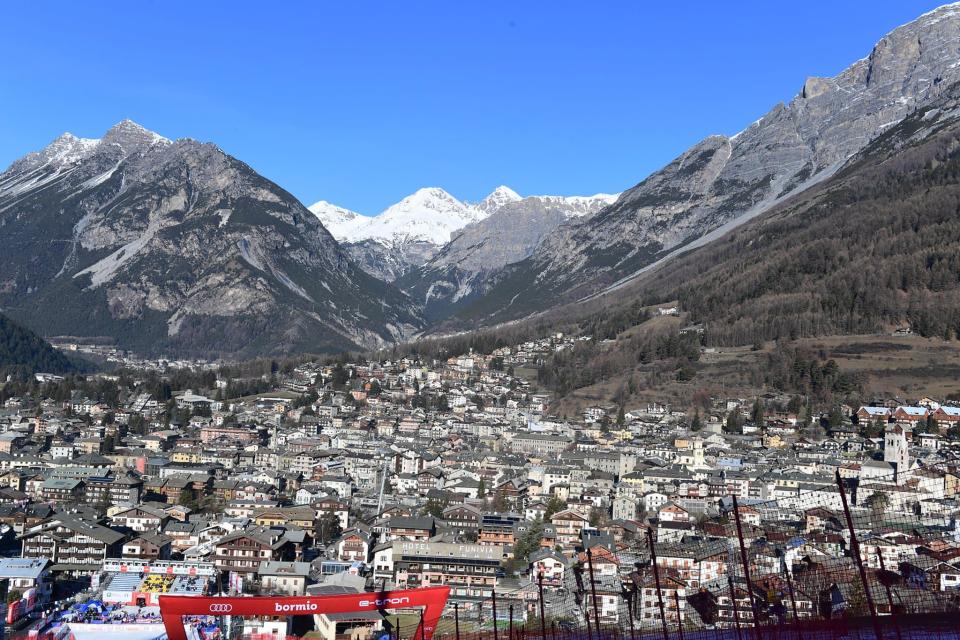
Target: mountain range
{"points": [[176, 246], [411, 232]]}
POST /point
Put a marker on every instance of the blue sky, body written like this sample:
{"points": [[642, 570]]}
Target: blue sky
{"points": [[362, 103]]}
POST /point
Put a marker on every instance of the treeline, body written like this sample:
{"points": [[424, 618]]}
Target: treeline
{"points": [[804, 372], [94, 388], [243, 379], [595, 319], [592, 361], [482, 341], [606, 324]]}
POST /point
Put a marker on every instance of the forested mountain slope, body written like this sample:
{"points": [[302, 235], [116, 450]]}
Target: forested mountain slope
{"points": [[24, 352]]}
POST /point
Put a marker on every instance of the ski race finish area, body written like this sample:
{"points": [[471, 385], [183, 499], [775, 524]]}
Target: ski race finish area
{"points": [[431, 599]]}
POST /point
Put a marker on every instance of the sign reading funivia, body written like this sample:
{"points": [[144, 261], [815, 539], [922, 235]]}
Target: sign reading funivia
{"points": [[432, 599]]}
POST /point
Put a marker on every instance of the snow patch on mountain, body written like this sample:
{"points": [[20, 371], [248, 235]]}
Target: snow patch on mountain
{"points": [[340, 222], [68, 150], [579, 206]]}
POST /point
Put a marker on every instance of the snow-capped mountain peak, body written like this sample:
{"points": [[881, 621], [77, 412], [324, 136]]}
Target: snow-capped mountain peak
{"points": [[427, 199], [68, 149], [431, 215], [340, 222], [428, 215], [497, 198], [410, 233], [130, 136]]}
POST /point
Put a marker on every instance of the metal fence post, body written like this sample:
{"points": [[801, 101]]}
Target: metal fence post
{"points": [[855, 552], [676, 600], [793, 599], [656, 579], [456, 619], [543, 618], [593, 593], [493, 594], [733, 602], [893, 616], [746, 566]]}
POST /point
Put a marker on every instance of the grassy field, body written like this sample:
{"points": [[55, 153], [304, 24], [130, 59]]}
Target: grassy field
{"points": [[908, 366], [905, 367]]}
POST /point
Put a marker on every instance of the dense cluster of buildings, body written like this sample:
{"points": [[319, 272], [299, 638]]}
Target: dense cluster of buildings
{"points": [[407, 473]]}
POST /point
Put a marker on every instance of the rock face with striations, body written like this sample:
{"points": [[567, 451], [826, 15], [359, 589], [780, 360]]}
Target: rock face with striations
{"points": [[176, 247], [724, 181]]}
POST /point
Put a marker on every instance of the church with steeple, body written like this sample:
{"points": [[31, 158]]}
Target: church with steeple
{"points": [[896, 451]]}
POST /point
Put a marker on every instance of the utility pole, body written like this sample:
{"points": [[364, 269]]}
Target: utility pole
{"points": [[383, 481], [733, 599], [630, 604], [793, 599]]}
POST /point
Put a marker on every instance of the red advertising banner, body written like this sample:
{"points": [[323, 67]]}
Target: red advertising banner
{"points": [[432, 599]]}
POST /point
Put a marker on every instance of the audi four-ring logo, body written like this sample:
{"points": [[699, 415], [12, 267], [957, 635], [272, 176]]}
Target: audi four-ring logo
{"points": [[221, 608]]}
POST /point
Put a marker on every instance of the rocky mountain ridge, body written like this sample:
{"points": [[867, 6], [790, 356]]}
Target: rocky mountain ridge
{"points": [[722, 182], [175, 246]]}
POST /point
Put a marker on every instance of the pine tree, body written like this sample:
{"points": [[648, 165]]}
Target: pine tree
{"points": [[756, 413], [554, 505]]}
